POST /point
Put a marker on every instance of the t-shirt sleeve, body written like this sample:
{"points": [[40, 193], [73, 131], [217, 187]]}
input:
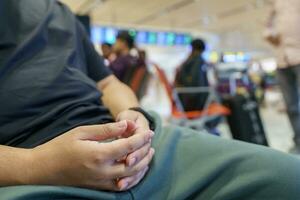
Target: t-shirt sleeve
{"points": [[96, 69]]}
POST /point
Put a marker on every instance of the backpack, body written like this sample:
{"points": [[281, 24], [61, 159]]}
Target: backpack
{"points": [[192, 73]]}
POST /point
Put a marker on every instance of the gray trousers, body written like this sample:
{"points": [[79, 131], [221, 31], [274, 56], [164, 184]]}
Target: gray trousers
{"points": [[289, 81], [193, 165]]}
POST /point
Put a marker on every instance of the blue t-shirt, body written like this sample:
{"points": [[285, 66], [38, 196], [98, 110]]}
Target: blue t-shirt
{"points": [[48, 73]]}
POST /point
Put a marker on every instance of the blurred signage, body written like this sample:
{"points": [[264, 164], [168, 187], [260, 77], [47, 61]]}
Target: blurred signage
{"points": [[101, 34], [230, 57]]}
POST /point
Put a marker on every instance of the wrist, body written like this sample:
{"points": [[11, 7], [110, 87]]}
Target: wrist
{"points": [[23, 167], [150, 119], [39, 169]]}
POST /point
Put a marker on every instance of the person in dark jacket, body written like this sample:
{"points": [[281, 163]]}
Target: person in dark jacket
{"points": [[192, 73]]}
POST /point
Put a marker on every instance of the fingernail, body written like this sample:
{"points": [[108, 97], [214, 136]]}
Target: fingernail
{"points": [[124, 186], [122, 124], [152, 151], [147, 168], [131, 161], [151, 134]]}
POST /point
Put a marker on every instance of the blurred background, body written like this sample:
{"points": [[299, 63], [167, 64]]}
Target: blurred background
{"points": [[238, 61]]}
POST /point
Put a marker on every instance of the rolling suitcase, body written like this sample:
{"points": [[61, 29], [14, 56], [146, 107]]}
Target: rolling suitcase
{"points": [[244, 121]]}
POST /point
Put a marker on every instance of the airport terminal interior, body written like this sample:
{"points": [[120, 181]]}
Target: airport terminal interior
{"points": [[233, 31], [150, 99]]}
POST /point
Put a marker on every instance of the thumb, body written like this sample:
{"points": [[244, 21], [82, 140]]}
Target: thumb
{"points": [[104, 131]]}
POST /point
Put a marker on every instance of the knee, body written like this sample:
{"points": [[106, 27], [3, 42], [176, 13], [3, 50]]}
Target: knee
{"points": [[280, 179], [281, 169]]}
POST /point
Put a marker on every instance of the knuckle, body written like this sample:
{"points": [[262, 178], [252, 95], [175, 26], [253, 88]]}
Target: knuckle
{"points": [[147, 148], [107, 128], [145, 138], [115, 149], [105, 152], [98, 159], [136, 169], [140, 154], [130, 146]]}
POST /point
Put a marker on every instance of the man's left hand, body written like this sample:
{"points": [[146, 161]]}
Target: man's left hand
{"points": [[142, 126]]}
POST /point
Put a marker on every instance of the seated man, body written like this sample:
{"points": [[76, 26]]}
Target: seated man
{"points": [[107, 53], [60, 141], [124, 62]]}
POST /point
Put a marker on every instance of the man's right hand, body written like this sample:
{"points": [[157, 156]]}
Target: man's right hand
{"points": [[79, 158]]}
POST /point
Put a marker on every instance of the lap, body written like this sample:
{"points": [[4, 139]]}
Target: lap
{"points": [[34, 192], [194, 165]]}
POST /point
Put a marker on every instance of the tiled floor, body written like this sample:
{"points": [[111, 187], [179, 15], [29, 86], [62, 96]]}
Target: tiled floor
{"points": [[278, 129]]}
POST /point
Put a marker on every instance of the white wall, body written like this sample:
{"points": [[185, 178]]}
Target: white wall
{"points": [[168, 58]]}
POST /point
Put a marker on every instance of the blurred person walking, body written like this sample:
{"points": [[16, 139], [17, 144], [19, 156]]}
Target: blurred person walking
{"points": [[192, 73], [283, 32]]}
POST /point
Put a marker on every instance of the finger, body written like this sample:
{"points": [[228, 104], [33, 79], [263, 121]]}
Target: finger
{"points": [[138, 155], [132, 184], [122, 147], [120, 170], [128, 182], [143, 122], [140, 120], [131, 126], [130, 130], [104, 131], [141, 129]]}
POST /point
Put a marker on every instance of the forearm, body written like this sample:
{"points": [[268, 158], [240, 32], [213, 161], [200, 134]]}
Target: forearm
{"points": [[15, 166], [117, 96]]}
